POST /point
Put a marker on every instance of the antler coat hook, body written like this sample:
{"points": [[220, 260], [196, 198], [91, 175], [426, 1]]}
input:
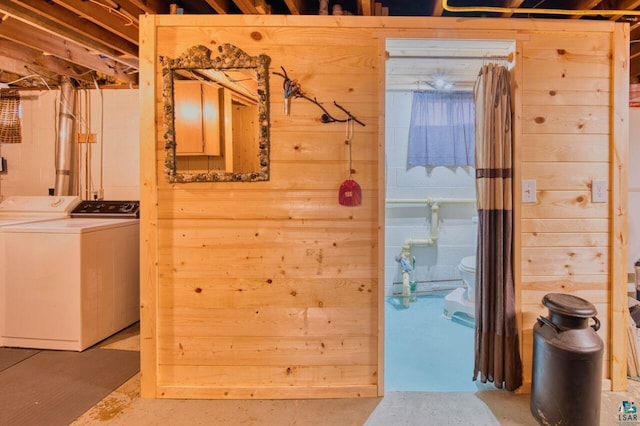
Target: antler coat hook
{"points": [[292, 89]]}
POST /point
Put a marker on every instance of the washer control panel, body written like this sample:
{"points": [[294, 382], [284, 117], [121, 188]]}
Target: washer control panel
{"points": [[103, 208]]}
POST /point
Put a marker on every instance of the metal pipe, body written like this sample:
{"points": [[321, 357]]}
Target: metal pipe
{"points": [[66, 130], [528, 10], [430, 201]]}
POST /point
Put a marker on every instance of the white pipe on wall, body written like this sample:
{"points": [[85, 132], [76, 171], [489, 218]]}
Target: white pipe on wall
{"points": [[430, 201], [434, 204]]}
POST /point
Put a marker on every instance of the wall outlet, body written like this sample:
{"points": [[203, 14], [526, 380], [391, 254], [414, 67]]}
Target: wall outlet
{"points": [[529, 191], [599, 191]]}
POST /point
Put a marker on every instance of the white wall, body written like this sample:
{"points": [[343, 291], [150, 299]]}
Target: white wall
{"points": [[439, 261], [456, 229], [634, 187], [31, 164]]}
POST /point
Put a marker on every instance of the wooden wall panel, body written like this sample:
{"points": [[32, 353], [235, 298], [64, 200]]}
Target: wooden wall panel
{"points": [[272, 289], [565, 119], [566, 143], [564, 148], [267, 296]]}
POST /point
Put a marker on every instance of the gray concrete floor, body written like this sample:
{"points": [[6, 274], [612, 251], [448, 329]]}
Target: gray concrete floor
{"points": [[486, 406]]}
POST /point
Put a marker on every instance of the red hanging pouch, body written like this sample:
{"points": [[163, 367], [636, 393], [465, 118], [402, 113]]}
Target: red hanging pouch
{"points": [[350, 193]]}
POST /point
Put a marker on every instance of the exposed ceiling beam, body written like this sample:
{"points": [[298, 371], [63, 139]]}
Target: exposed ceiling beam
{"points": [[153, 7], [262, 7], [365, 6], [634, 55], [634, 71], [437, 8], [33, 60], [119, 24], [16, 67], [84, 34], [14, 30], [585, 5], [222, 7], [514, 4], [634, 52], [8, 76], [132, 7], [296, 6], [67, 36], [247, 7], [124, 7], [626, 5]]}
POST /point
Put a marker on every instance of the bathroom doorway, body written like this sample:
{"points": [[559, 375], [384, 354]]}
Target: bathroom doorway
{"points": [[430, 224]]}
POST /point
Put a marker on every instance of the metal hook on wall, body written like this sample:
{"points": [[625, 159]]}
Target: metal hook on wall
{"points": [[292, 89]]}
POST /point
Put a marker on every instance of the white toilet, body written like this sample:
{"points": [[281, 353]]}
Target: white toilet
{"points": [[463, 299], [467, 268]]}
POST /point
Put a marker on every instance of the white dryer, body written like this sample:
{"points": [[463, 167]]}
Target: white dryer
{"points": [[69, 283]]}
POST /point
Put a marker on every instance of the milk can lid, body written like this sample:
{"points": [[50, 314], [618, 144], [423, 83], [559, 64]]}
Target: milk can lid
{"points": [[569, 305]]}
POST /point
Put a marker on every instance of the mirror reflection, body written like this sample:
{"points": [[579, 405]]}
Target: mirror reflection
{"points": [[216, 116]]}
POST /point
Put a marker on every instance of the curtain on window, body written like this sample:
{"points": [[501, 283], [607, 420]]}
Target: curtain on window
{"points": [[10, 128], [441, 131]]}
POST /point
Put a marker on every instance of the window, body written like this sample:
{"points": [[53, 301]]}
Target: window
{"points": [[442, 127]]}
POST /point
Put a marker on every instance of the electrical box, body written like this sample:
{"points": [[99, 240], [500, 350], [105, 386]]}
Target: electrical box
{"points": [[599, 191], [529, 191]]}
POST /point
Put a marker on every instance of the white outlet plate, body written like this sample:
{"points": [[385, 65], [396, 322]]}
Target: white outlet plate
{"points": [[529, 191], [599, 191]]}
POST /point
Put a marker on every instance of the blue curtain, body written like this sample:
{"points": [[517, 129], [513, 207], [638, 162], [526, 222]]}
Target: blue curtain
{"points": [[441, 131]]}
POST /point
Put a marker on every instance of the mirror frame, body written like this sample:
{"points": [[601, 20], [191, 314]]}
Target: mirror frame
{"points": [[230, 57]]}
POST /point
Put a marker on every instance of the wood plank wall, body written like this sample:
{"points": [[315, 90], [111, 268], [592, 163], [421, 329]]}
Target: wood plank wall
{"points": [[271, 289]]}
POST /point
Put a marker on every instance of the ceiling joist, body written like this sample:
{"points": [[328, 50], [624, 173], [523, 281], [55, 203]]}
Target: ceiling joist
{"points": [[31, 60], [117, 22], [64, 24], [92, 38], [222, 7], [12, 29]]}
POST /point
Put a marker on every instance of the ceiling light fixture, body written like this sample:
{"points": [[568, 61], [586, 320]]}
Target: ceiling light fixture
{"points": [[440, 82]]}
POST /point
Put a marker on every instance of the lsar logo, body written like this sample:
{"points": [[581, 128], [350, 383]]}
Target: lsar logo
{"points": [[627, 413]]}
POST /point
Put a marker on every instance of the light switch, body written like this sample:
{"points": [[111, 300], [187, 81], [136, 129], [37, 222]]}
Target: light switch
{"points": [[529, 191], [599, 191]]}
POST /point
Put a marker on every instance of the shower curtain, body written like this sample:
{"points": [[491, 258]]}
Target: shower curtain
{"points": [[497, 355]]}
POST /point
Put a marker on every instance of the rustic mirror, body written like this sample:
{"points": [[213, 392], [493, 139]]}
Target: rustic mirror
{"points": [[216, 115]]}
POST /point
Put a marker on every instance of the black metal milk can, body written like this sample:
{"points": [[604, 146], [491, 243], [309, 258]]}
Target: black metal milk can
{"points": [[566, 381]]}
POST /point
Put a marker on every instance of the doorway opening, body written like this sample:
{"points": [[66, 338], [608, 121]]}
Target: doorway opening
{"points": [[430, 224]]}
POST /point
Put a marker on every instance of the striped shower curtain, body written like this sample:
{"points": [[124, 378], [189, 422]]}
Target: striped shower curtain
{"points": [[497, 355]]}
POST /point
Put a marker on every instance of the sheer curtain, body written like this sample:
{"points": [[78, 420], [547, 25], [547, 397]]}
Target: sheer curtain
{"points": [[441, 131], [497, 355]]}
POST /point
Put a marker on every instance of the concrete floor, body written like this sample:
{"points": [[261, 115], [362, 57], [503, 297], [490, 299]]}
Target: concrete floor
{"points": [[486, 406]]}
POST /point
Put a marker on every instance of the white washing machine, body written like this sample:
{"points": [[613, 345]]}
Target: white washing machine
{"points": [[69, 283], [24, 209], [17, 210]]}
